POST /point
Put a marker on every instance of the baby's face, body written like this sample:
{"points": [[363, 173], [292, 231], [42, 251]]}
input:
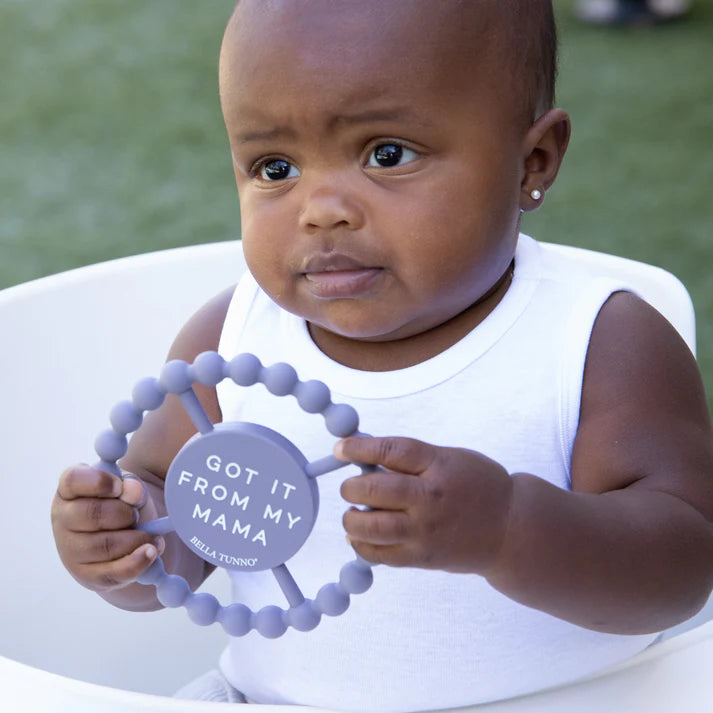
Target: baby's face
{"points": [[377, 162]]}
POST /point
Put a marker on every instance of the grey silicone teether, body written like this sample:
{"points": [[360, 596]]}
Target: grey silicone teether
{"points": [[240, 495]]}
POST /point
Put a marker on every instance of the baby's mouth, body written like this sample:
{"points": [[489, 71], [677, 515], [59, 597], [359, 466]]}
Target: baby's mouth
{"points": [[339, 277]]}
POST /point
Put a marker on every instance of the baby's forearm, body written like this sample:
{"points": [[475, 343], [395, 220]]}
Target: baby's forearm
{"points": [[630, 561], [133, 597]]}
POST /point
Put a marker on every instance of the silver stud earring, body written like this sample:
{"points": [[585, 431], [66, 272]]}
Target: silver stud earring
{"points": [[535, 194]]}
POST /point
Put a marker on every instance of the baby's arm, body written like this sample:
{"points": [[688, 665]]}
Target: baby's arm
{"points": [[630, 550], [93, 513]]}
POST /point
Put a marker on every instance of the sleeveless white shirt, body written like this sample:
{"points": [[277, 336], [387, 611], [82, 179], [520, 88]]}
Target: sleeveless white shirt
{"points": [[419, 639]]}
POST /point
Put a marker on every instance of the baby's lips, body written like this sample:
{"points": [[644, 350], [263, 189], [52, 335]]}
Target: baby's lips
{"points": [[345, 284], [332, 262]]}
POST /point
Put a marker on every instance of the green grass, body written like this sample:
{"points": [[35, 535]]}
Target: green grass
{"points": [[110, 131], [638, 177], [111, 141]]}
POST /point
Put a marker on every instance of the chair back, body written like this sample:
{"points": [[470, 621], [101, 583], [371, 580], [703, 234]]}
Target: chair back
{"points": [[657, 286], [72, 345]]}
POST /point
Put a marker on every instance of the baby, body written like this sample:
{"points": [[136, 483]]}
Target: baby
{"points": [[544, 498]]}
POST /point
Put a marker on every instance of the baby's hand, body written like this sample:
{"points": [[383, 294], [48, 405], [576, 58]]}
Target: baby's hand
{"points": [[433, 507], [93, 517]]}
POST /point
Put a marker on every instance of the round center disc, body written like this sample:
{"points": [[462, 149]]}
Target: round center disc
{"points": [[239, 497]]}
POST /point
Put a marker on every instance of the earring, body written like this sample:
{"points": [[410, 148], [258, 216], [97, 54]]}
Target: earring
{"points": [[535, 194]]}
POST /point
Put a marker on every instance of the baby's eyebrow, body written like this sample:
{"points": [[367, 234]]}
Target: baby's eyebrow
{"points": [[365, 116], [266, 135], [334, 121], [376, 115]]}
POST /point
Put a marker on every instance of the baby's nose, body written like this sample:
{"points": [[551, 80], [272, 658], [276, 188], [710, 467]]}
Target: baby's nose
{"points": [[330, 204]]}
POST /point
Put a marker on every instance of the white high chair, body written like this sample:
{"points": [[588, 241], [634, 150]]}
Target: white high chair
{"points": [[62, 648]]}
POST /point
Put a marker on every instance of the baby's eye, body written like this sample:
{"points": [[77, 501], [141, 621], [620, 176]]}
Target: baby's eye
{"points": [[387, 155], [277, 169]]}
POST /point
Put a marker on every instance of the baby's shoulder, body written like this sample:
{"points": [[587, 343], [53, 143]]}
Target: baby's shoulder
{"points": [[202, 330], [644, 414]]}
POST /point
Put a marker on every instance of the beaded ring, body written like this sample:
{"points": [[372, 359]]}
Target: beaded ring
{"points": [[240, 495]]}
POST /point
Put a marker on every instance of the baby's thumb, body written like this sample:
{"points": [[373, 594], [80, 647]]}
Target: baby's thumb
{"points": [[136, 494]]}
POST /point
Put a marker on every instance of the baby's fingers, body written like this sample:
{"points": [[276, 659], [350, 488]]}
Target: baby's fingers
{"points": [[383, 490], [133, 491], [380, 537], [404, 455], [92, 514], [87, 548], [84, 481], [118, 573], [376, 527]]}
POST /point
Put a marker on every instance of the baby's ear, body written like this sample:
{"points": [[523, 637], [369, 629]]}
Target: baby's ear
{"points": [[543, 150]]}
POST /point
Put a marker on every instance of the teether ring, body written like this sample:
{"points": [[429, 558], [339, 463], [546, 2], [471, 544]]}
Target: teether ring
{"points": [[240, 495]]}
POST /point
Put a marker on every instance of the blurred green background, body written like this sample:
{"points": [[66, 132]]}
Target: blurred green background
{"points": [[111, 141]]}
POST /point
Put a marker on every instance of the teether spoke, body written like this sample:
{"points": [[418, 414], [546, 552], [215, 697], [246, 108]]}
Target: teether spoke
{"points": [[194, 408], [161, 526], [323, 466], [288, 585]]}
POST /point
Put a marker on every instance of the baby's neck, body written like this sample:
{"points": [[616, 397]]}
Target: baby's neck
{"points": [[402, 353]]}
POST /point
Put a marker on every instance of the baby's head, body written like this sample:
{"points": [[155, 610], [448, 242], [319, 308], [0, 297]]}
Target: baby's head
{"points": [[384, 151]]}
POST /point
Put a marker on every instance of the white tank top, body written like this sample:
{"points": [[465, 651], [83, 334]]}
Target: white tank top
{"points": [[418, 639]]}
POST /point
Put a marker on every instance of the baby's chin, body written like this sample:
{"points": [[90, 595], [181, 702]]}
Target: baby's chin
{"points": [[364, 331]]}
